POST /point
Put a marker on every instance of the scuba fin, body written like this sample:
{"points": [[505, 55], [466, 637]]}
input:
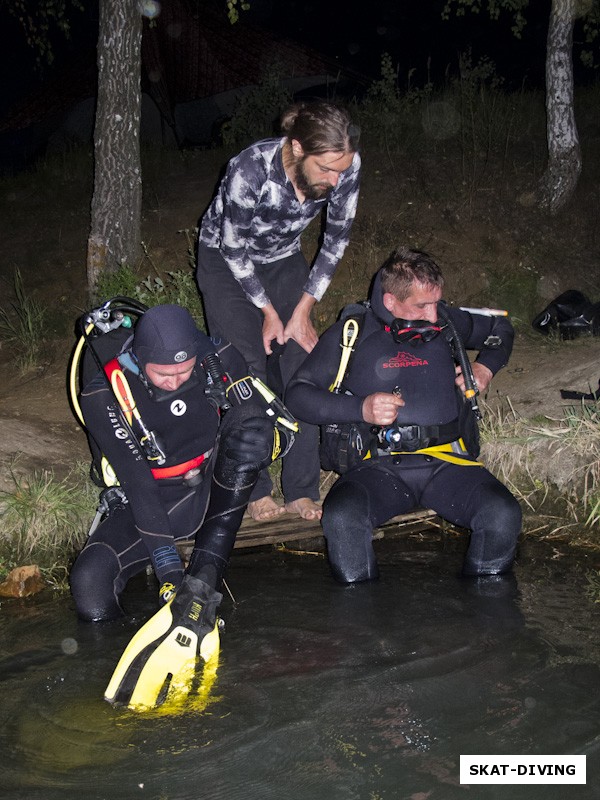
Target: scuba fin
{"points": [[159, 663]]}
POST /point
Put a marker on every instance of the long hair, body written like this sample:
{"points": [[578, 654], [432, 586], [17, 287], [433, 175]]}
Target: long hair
{"points": [[320, 128], [404, 267]]}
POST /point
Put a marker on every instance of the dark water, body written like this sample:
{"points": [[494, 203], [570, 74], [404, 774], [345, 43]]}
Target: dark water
{"points": [[322, 692]]}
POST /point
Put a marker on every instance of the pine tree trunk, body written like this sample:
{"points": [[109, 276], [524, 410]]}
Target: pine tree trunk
{"points": [[115, 233], [558, 183]]}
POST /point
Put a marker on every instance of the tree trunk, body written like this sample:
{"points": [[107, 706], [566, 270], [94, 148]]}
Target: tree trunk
{"points": [[115, 233], [558, 183]]}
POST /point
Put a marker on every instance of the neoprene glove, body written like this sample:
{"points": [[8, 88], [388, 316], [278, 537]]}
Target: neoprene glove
{"points": [[169, 585], [250, 446]]}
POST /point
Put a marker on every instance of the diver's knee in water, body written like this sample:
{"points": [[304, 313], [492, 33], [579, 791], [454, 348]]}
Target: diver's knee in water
{"points": [[348, 531], [495, 530], [92, 582]]}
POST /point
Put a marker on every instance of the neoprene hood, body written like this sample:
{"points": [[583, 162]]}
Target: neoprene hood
{"points": [[167, 334]]}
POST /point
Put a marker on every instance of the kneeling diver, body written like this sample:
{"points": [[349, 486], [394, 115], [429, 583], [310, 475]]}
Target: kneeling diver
{"points": [[186, 469]]}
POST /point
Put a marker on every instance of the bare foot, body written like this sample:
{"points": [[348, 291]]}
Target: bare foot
{"points": [[264, 508], [306, 507]]}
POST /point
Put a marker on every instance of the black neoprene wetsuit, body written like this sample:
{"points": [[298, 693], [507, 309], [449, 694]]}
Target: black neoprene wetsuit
{"points": [[160, 511], [456, 486]]}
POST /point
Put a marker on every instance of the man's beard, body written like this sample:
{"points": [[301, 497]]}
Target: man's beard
{"points": [[312, 191]]}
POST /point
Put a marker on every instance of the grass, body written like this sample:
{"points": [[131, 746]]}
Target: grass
{"points": [[23, 325], [568, 503], [592, 589], [177, 287], [45, 520]]}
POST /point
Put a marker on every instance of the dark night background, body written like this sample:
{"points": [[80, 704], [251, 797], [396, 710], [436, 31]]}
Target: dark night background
{"points": [[354, 33], [453, 173]]}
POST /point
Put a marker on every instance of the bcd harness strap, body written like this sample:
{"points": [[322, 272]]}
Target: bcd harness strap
{"points": [[283, 421], [449, 432], [349, 337], [180, 469], [147, 441], [445, 452]]}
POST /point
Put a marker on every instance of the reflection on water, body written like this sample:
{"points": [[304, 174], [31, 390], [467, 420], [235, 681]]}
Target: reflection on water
{"points": [[322, 692]]}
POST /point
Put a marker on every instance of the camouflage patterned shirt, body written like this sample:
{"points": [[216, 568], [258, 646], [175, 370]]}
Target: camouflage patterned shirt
{"points": [[256, 218]]}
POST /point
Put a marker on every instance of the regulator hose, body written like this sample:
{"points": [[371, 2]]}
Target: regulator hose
{"points": [[471, 390]]}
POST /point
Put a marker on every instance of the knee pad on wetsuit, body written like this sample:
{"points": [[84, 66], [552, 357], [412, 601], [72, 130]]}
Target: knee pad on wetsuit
{"points": [[349, 533], [495, 528], [92, 582]]}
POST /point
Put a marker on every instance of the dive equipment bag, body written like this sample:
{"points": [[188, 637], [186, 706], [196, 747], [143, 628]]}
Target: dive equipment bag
{"points": [[571, 315]]}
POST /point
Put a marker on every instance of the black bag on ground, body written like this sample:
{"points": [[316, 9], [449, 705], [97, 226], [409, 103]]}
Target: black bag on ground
{"points": [[570, 314]]}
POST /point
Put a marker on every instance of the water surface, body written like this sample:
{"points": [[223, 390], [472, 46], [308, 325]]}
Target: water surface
{"points": [[322, 692]]}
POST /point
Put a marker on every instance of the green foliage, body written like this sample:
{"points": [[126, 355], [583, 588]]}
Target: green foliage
{"points": [[233, 9], [493, 8], [486, 117], [121, 282], [258, 111], [516, 291], [587, 10], [173, 286], [388, 113], [591, 33], [24, 325], [178, 287], [592, 589], [39, 19], [45, 520]]}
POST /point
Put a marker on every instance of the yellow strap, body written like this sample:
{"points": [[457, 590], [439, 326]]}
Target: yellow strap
{"points": [[349, 337], [276, 445], [269, 397], [444, 452], [123, 394], [74, 374], [108, 474]]}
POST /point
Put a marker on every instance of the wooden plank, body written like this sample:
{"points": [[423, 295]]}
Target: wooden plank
{"points": [[287, 527]]}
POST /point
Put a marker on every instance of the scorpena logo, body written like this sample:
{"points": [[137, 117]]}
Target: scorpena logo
{"points": [[404, 360]]}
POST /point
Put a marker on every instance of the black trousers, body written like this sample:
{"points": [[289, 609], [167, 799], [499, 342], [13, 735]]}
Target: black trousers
{"points": [[468, 496], [233, 317]]}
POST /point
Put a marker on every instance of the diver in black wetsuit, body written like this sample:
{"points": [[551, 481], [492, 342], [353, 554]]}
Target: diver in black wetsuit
{"points": [[403, 377], [191, 477]]}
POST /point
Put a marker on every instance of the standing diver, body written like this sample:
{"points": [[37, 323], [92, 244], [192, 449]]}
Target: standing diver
{"points": [[402, 379], [186, 469]]}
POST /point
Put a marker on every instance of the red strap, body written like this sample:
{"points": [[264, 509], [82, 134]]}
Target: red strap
{"points": [[111, 366], [179, 469]]}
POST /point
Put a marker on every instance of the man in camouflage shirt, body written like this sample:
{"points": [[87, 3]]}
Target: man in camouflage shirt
{"points": [[257, 287]]}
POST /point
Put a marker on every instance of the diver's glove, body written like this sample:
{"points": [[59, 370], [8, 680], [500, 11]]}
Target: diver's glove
{"points": [[169, 586], [250, 446], [159, 663], [195, 608]]}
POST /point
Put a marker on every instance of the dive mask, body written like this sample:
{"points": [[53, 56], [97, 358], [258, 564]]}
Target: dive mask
{"points": [[415, 331]]}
